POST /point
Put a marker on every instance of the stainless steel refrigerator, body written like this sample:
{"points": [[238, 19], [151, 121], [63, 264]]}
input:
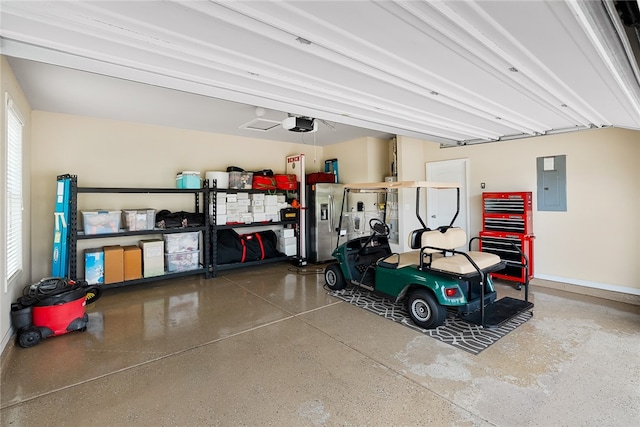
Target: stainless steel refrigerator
{"points": [[324, 204]]}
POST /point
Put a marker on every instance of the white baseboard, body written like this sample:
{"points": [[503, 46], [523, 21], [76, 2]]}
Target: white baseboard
{"points": [[588, 284]]}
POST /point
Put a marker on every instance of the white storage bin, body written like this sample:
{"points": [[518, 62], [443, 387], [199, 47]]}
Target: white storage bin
{"points": [[181, 242], [182, 261]]}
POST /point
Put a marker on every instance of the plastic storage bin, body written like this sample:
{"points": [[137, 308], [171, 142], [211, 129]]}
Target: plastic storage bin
{"points": [[181, 242], [241, 180], [139, 219], [182, 261], [101, 221]]}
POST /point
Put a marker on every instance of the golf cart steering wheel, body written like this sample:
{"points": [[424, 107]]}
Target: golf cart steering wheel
{"points": [[378, 227]]}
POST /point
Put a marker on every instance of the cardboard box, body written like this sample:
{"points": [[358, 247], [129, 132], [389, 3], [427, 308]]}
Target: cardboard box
{"points": [[113, 264], [132, 262], [288, 250], [272, 209], [152, 257], [287, 232], [287, 241], [259, 217], [94, 266]]}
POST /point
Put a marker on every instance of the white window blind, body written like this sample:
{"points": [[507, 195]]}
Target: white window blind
{"points": [[14, 191]]}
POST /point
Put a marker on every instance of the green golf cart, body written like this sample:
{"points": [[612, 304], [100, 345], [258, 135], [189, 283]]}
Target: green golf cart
{"points": [[434, 277]]}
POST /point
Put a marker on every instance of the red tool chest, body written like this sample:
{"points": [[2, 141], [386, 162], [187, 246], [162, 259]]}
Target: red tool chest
{"points": [[507, 217]]}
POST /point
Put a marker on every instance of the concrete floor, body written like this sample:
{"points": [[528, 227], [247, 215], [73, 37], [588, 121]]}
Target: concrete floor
{"points": [[268, 346]]}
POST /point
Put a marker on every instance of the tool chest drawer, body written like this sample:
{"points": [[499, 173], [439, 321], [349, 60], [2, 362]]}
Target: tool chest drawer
{"points": [[502, 244]]}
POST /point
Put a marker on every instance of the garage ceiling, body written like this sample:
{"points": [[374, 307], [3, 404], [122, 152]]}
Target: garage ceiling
{"points": [[455, 72]]}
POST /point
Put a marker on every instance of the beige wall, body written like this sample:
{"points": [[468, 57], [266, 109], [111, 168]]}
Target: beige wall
{"points": [[410, 156], [360, 160], [596, 243], [11, 290], [106, 153]]}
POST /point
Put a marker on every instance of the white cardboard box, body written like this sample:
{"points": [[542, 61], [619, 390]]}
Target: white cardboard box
{"points": [[287, 241], [273, 217], [288, 250], [270, 200], [287, 232], [152, 257], [271, 210]]}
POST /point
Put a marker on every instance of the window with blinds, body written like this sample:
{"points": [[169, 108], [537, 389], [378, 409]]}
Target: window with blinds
{"points": [[14, 191]]}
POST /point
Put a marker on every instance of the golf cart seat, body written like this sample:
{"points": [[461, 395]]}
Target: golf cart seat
{"points": [[405, 259], [401, 260], [439, 253]]}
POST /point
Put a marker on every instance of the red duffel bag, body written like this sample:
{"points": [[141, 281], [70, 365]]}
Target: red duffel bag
{"points": [[262, 182], [286, 182]]}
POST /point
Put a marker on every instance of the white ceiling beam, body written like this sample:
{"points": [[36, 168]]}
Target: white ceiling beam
{"points": [[593, 18]]}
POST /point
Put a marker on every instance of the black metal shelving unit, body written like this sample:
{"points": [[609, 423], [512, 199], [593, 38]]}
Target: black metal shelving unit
{"points": [[75, 235], [214, 231]]}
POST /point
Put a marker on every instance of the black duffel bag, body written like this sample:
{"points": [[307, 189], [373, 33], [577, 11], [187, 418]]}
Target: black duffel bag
{"points": [[167, 219]]}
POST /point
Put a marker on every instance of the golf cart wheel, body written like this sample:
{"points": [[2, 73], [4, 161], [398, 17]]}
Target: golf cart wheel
{"points": [[29, 337], [424, 309], [334, 277]]}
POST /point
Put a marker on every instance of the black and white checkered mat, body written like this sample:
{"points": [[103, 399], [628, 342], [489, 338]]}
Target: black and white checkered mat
{"points": [[455, 331]]}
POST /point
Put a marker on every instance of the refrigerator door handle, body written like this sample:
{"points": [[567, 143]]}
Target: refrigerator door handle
{"points": [[331, 208]]}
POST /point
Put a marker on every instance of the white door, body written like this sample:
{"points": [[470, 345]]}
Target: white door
{"points": [[441, 204]]}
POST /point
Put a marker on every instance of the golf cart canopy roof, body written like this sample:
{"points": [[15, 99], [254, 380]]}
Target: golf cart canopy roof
{"points": [[400, 184]]}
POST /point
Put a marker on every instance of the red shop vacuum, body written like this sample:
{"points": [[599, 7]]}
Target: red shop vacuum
{"points": [[51, 307]]}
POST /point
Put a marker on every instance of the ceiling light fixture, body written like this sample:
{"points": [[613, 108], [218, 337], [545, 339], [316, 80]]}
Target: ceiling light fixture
{"points": [[300, 124]]}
